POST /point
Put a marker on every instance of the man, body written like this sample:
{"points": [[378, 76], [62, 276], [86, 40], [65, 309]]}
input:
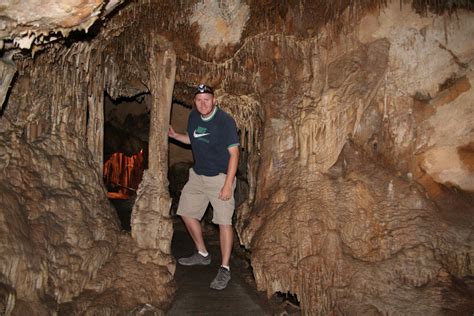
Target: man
{"points": [[212, 134]]}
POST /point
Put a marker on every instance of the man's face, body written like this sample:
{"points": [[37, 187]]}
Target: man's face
{"points": [[205, 103]]}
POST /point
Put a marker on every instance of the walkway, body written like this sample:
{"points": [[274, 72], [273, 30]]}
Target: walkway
{"points": [[194, 297]]}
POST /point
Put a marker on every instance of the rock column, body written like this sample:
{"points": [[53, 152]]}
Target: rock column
{"points": [[152, 228]]}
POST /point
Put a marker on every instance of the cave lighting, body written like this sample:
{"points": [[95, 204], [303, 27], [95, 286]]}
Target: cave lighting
{"points": [[122, 174]]}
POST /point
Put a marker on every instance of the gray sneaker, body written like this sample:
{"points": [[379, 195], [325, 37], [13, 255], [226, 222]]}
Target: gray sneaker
{"points": [[195, 259], [221, 279]]}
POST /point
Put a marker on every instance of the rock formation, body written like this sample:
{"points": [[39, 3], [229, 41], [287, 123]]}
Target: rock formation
{"points": [[32, 22], [356, 124]]}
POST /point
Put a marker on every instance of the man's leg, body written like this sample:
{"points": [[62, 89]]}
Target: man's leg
{"points": [[201, 257], [226, 236], [192, 205], [194, 228], [223, 274], [223, 211]]}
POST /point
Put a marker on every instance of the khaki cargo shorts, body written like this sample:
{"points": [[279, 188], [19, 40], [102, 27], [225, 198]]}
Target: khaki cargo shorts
{"points": [[199, 191]]}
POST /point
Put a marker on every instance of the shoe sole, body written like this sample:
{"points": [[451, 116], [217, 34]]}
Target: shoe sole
{"points": [[194, 264]]}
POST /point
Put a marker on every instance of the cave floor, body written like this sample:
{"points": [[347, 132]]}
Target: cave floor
{"points": [[194, 297]]}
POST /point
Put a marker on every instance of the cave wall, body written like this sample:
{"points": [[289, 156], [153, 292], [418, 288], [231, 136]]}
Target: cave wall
{"points": [[356, 124], [361, 205], [426, 98], [340, 236], [65, 252], [179, 153]]}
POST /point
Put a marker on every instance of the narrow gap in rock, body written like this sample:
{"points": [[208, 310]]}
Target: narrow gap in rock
{"points": [[180, 157], [127, 123], [287, 303]]}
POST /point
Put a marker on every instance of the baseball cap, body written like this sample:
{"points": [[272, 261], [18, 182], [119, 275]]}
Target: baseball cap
{"points": [[202, 88]]}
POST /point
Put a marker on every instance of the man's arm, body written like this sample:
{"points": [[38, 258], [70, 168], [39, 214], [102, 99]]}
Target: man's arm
{"points": [[184, 138], [226, 191]]}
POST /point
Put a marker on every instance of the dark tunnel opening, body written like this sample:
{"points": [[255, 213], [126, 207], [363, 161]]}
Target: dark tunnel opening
{"points": [[126, 132]]}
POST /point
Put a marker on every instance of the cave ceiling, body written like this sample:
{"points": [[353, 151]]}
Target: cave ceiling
{"points": [[27, 22]]}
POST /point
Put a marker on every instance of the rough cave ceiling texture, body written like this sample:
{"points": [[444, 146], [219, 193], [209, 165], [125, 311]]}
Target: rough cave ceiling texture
{"points": [[357, 124], [27, 22]]}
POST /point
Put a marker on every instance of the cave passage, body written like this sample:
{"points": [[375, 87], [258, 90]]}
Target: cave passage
{"points": [[194, 295], [126, 130]]}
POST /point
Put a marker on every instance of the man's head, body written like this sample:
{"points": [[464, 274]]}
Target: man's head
{"points": [[204, 100]]}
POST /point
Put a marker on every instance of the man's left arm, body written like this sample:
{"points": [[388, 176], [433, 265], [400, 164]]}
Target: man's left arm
{"points": [[226, 191]]}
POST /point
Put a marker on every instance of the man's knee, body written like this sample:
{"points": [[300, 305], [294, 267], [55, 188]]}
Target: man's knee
{"points": [[189, 218], [225, 226]]}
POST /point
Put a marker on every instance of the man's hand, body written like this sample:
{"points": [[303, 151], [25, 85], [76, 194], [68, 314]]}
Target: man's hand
{"points": [[184, 138], [171, 132], [226, 193]]}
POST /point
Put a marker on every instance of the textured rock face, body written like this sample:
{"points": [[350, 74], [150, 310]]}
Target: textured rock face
{"points": [[125, 284], [447, 153], [60, 228], [220, 24], [23, 22], [351, 237], [7, 71], [178, 152], [61, 246], [359, 240], [422, 122]]}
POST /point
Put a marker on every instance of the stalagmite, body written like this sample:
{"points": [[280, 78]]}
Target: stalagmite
{"points": [[151, 223]]}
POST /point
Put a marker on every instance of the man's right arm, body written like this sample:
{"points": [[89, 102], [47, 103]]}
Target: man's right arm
{"points": [[184, 138]]}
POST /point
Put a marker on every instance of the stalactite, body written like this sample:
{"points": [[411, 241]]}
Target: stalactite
{"points": [[7, 71]]}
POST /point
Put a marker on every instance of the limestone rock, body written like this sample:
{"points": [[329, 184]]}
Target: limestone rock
{"points": [[318, 227], [359, 239], [125, 285], [446, 154], [28, 21], [55, 240], [150, 228], [52, 145]]}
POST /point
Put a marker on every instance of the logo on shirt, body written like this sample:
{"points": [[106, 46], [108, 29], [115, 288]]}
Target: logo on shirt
{"points": [[201, 132]]}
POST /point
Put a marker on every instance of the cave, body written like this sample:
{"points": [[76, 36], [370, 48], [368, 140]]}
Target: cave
{"points": [[355, 187], [125, 154]]}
